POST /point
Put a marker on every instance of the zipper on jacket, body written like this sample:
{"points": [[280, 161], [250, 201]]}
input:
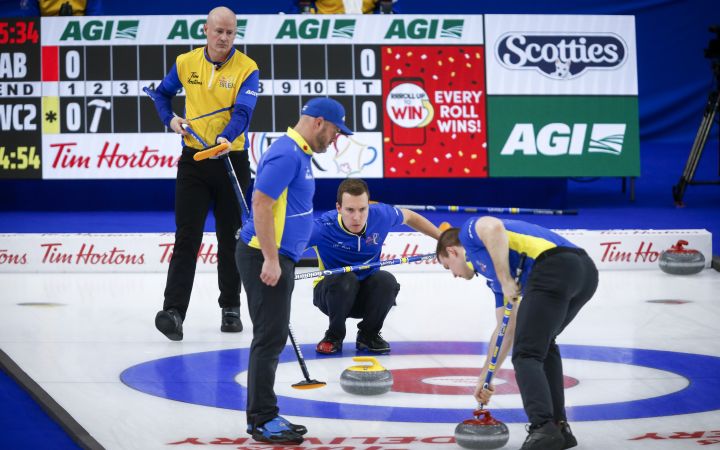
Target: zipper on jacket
{"points": [[212, 75]]}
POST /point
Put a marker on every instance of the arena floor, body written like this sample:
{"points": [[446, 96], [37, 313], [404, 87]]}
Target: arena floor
{"points": [[642, 362]]}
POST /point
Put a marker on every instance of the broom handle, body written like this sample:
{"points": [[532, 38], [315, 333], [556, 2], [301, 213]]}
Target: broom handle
{"points": [[491, 210], [503, 327], [359, 267], [298, 354]]}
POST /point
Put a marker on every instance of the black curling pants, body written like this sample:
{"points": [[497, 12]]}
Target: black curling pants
{"points": [[269, 308], [198, 185], [561, 282], [344, 295]]}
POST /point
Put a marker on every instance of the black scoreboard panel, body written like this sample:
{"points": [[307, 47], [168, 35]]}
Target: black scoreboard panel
{"points": [[291, 74], [125, 67], [340, 71], [98, 89], [151, 53], [20, 99], [101, 87], [262, 55]]}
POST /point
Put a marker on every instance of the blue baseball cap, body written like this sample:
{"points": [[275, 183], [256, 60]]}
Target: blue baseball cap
{"points": [[330, 110]]}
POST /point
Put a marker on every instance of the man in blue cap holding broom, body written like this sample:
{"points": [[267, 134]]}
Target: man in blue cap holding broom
{"points": [[271, 243]]}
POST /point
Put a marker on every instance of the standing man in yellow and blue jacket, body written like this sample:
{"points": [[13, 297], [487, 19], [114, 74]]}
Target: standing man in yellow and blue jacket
{"points": [[558, 278], [221, 86], [271, 243]]}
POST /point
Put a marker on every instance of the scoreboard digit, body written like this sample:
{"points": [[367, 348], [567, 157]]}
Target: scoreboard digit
{"points": [[20, 109], [367, 88]]}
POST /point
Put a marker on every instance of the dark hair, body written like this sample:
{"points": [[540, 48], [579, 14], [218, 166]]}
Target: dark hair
{"points": [[354, 187], [448, 238]]}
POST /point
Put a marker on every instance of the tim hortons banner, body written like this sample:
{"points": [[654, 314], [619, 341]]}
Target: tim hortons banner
{"points": [[151, 252]]}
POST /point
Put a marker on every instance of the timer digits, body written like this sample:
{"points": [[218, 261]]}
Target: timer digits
{"points": [[18, 31], [22, 158]]}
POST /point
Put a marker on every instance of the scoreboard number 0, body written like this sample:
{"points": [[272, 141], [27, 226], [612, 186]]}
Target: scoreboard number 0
{"points": [[369, 115], [72, 64], [73, 117], [367, 62]]}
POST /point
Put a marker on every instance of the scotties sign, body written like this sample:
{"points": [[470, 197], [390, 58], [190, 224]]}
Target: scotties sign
{"points": [[561, 56]]}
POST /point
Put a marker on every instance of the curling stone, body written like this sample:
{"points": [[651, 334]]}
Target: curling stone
{"points": [[366, 380], [678, 260], [481, 432]]}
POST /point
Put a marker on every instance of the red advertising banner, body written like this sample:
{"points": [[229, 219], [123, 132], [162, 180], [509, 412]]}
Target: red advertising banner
{"points": [[435, 109]]}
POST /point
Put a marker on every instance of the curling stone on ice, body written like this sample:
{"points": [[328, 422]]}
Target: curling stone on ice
{"points": [[678, 260], [366, 380], [483, 431]]}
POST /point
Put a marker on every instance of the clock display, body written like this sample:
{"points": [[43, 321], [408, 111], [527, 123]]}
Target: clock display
{"points": [[18, 31], [23, 157], [20, 98]]}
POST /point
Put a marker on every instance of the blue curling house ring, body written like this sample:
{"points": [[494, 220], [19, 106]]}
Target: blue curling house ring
{"points": [[208, 379]]}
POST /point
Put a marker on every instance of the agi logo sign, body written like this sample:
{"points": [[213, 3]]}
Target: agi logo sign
{"points": [[425, 29], [96, 30], [559, 136], [557, 139], [316, 29], [561, 56]]}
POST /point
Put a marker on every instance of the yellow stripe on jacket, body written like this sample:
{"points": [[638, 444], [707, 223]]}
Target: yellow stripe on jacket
{"points": [[525, 243]]}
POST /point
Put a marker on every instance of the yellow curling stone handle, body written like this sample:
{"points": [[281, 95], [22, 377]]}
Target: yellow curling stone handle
{"points": [[374, 367]]}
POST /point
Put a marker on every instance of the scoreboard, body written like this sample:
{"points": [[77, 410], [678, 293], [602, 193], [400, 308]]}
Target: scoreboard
{"points": [[20, 144], [417, 91]]}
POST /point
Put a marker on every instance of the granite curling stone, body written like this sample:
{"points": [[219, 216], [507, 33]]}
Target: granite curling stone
{"points": [[678, 260], [481, 432], [366, 380]]}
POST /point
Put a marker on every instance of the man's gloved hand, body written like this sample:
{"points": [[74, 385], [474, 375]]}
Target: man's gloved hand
{"points": [[221, 140]]}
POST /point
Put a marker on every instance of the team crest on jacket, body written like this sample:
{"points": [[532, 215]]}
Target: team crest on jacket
{"points": [[372, 239], [226, 83]]}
